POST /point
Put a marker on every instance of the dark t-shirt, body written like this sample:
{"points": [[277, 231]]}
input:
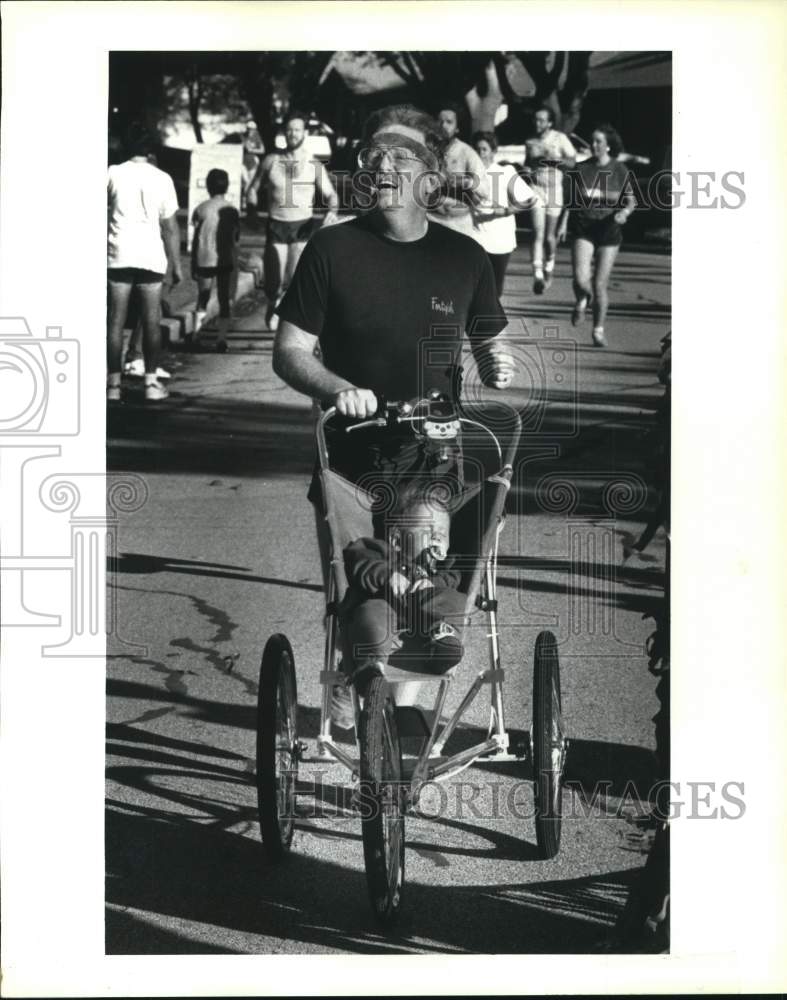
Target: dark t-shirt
{"points": [[390, 316], [217, 231], [597, 192]]}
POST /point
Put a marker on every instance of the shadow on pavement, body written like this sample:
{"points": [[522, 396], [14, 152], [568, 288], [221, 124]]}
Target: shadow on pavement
{"points": [[134, 562], [167, 865], [210, 434]]}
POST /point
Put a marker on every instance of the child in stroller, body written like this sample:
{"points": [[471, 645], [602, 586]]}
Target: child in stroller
{"points": [[406, 584]]}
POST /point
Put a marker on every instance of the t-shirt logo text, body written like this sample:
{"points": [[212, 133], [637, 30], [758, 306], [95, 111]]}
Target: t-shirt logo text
{"points": [[446, 308]]}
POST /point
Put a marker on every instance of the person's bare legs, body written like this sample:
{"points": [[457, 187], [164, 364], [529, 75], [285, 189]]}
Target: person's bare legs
{"points": [[550, 244], [538, 217], [296, 249], [605, 259], [150, 311], [582, 276], [135, 341], [204, 288], [224, 291], [118, 294], [275, 272]]}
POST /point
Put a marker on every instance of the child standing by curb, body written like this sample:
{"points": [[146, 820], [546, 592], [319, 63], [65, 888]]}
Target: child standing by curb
{"points": [[214, 251]]}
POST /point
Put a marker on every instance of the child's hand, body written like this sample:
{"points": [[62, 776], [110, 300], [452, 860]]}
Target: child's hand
{"points": [[399, 584]]}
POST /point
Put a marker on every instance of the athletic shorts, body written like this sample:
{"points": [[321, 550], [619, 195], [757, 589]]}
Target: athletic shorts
{"points": [[291, 232], [601, 232], [134, 276], [549, 187], [210, 272]]}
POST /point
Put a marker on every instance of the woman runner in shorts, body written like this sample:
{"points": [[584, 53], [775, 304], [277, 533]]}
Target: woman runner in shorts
{"points": [[547, 155], [602, 200]]}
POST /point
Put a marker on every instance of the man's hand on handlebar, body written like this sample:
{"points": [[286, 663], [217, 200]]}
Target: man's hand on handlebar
{"points": [[357, 403]]}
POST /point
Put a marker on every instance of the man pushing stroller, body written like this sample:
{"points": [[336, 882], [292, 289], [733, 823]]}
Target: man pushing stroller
{"points": [[368, 296]]}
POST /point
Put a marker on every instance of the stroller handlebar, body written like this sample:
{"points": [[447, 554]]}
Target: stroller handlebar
{"points": [[440, 412], [436, 407], [440, 423]]}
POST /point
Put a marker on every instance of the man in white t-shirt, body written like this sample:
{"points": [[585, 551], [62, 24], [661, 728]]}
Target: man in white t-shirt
{"points": [[467, 183], [143, 238], [547, 155]]}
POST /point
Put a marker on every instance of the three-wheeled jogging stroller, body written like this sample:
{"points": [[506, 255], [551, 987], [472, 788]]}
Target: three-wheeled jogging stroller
{"points": [[387, 786]]}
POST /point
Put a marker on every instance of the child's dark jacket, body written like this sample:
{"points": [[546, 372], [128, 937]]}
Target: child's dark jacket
{"points": [[369, 562]]}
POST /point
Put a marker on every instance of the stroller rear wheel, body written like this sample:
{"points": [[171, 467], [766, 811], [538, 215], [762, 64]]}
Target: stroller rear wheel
{"points": [[277, 747], [382, 814], [548, 745]]}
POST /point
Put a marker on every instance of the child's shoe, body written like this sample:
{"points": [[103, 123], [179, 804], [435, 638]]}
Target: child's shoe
{"points": [[445, 648]]}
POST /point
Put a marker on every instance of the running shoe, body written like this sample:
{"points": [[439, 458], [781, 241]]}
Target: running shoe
{"points": [[538, 282], [221, 347], [598, 337], [155, 391], [136, 369], [578, 315], [271, 319]]}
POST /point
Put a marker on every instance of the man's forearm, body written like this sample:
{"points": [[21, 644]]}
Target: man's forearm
{"points": [[494, 360], [172, 245], [305, 373]]}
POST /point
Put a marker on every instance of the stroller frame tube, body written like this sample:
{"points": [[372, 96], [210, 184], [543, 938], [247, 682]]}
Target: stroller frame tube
{"points": [[498, 716]]}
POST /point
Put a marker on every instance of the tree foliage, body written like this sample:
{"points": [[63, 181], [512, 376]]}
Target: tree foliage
{"points": [[341, 87]]}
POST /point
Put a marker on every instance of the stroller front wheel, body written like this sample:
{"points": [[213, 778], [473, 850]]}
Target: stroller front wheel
{"points": [[382, 814], [277, 747], [549, 745]]}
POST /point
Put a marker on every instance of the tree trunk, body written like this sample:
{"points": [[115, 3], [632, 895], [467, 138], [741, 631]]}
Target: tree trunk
{"points": [[195, 88], [257, 87]]}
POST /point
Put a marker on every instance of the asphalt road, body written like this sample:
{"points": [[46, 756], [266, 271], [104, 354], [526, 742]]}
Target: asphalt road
{"points": [[222, 555]]}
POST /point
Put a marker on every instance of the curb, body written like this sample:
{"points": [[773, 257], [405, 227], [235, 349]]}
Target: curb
{"points": [[179, 327]]}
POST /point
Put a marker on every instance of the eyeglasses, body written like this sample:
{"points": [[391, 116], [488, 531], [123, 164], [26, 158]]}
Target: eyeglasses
{"points": [[401, 158]]}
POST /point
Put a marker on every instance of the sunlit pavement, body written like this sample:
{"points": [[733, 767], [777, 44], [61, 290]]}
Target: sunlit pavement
{"points": [[223, 555]]}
